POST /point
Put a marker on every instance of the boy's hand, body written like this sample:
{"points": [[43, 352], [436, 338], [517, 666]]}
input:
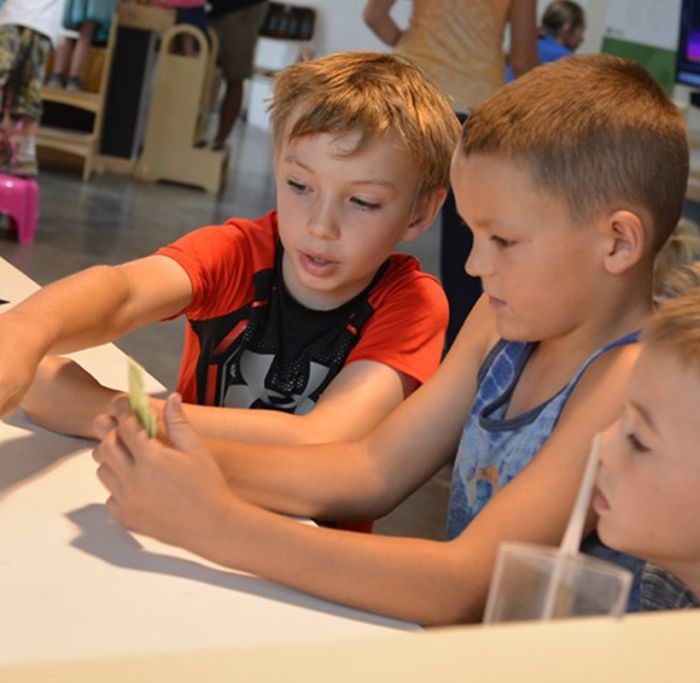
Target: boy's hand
{"points": [[106, 422], [65, 398], [177, 495]]}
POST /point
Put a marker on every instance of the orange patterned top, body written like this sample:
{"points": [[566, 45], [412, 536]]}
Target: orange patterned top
{"points": [[459, 45]]}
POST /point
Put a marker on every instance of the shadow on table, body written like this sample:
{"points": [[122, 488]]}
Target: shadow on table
{"points": [[104, 538], [30, 454]]}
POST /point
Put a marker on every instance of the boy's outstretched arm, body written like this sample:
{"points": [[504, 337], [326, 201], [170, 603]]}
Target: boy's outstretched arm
{"points": [[92, 307], [181, 497], [368, 477], [66, 398], [356, 401]]}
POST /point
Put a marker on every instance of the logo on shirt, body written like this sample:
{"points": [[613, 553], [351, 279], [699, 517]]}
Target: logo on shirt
{"points": [[247, 385]]}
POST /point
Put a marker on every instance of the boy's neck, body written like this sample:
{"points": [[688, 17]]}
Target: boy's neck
{"points": [[556, 360], [623, 311]]}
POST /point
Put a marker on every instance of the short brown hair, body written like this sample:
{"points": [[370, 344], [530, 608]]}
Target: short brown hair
{"points": [[374, 93], [594, 130], [675, 327]]}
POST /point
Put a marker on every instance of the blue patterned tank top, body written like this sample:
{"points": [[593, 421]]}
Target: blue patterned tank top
{"points": [[493, 449]]}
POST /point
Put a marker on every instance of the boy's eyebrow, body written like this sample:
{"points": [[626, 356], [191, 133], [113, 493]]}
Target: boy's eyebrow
{"points": [[291, 158], [374, 181], [645, 416], [485, 223]]}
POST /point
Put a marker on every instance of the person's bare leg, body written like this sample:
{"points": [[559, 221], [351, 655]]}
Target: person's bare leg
{"points": [[26, 163], [60, 62], [230, 108], [80, 52], [29, 127]]}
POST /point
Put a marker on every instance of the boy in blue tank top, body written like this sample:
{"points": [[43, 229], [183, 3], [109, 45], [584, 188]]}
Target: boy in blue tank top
{"points": [[570, 179]]}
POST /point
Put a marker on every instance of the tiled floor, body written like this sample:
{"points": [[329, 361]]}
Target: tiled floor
{"points": [[114, 218]]}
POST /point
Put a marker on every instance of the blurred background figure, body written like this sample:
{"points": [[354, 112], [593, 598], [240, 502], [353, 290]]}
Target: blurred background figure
{"points": [[677, 264], [91, 19], [236, 23], [190, 12], [459, 45], [28, 31], [560, 33]]}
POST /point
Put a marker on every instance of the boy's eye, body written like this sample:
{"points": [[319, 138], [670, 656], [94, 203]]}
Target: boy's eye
{"points": [[501, 241], [364, 204], [297, 186], [636, 444]]}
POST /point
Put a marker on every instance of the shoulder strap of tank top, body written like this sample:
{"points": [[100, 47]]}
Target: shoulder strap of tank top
{"points": [[629, 338]]}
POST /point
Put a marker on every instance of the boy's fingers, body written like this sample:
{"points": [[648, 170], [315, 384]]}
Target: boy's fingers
{"points": [[131, 436], [113, 509], [102, 425], [128, 426], [120, 406], [112, 453], [177, 428], [109, 480]]}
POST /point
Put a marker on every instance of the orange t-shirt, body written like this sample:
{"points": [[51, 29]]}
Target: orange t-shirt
{"points": [[249, 344]]}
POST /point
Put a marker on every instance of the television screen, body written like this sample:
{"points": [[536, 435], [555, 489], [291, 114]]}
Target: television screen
{"points": [[688, 56]]}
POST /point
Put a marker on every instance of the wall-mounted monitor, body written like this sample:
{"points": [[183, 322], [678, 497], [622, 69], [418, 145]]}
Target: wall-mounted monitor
{"points": [[688, 56]]}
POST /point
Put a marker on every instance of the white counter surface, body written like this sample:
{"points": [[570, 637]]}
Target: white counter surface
{"points": [[75, 585]]}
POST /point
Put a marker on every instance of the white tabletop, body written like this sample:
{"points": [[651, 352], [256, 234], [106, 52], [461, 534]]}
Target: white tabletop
{"points": [[646, 648], [75, 585]]}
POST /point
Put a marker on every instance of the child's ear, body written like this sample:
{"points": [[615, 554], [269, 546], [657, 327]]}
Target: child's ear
{"points": [[625, 241], [424, 213]]}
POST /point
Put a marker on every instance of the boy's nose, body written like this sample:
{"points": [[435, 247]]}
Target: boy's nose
{"points": [[322, 224], [323, 230], [478, 263]]}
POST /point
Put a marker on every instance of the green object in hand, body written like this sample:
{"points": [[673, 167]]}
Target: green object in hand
{"points": [[138, 399]]}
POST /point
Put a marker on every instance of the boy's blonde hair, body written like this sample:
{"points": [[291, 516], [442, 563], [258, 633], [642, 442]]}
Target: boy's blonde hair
{"points": [[682, 248], [596, 131], [675, 327], [373, 93], [678, 281]]}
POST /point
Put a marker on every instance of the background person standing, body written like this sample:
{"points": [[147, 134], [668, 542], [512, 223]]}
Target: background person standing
{"points": [[561, 32], [236, 23], [459, 45]]}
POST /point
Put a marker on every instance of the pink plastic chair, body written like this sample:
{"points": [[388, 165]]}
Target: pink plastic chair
{"points": [[19, 199]]}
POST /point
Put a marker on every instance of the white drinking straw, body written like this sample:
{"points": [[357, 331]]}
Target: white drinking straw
{"points": [[574, 529]]}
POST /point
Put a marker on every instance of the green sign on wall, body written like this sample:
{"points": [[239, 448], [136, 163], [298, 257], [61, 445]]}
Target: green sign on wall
{"points": [[661, 64], [647, 31]]}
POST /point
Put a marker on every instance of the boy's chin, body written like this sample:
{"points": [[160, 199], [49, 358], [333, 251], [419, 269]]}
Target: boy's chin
{"points": [[613, 538]]}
